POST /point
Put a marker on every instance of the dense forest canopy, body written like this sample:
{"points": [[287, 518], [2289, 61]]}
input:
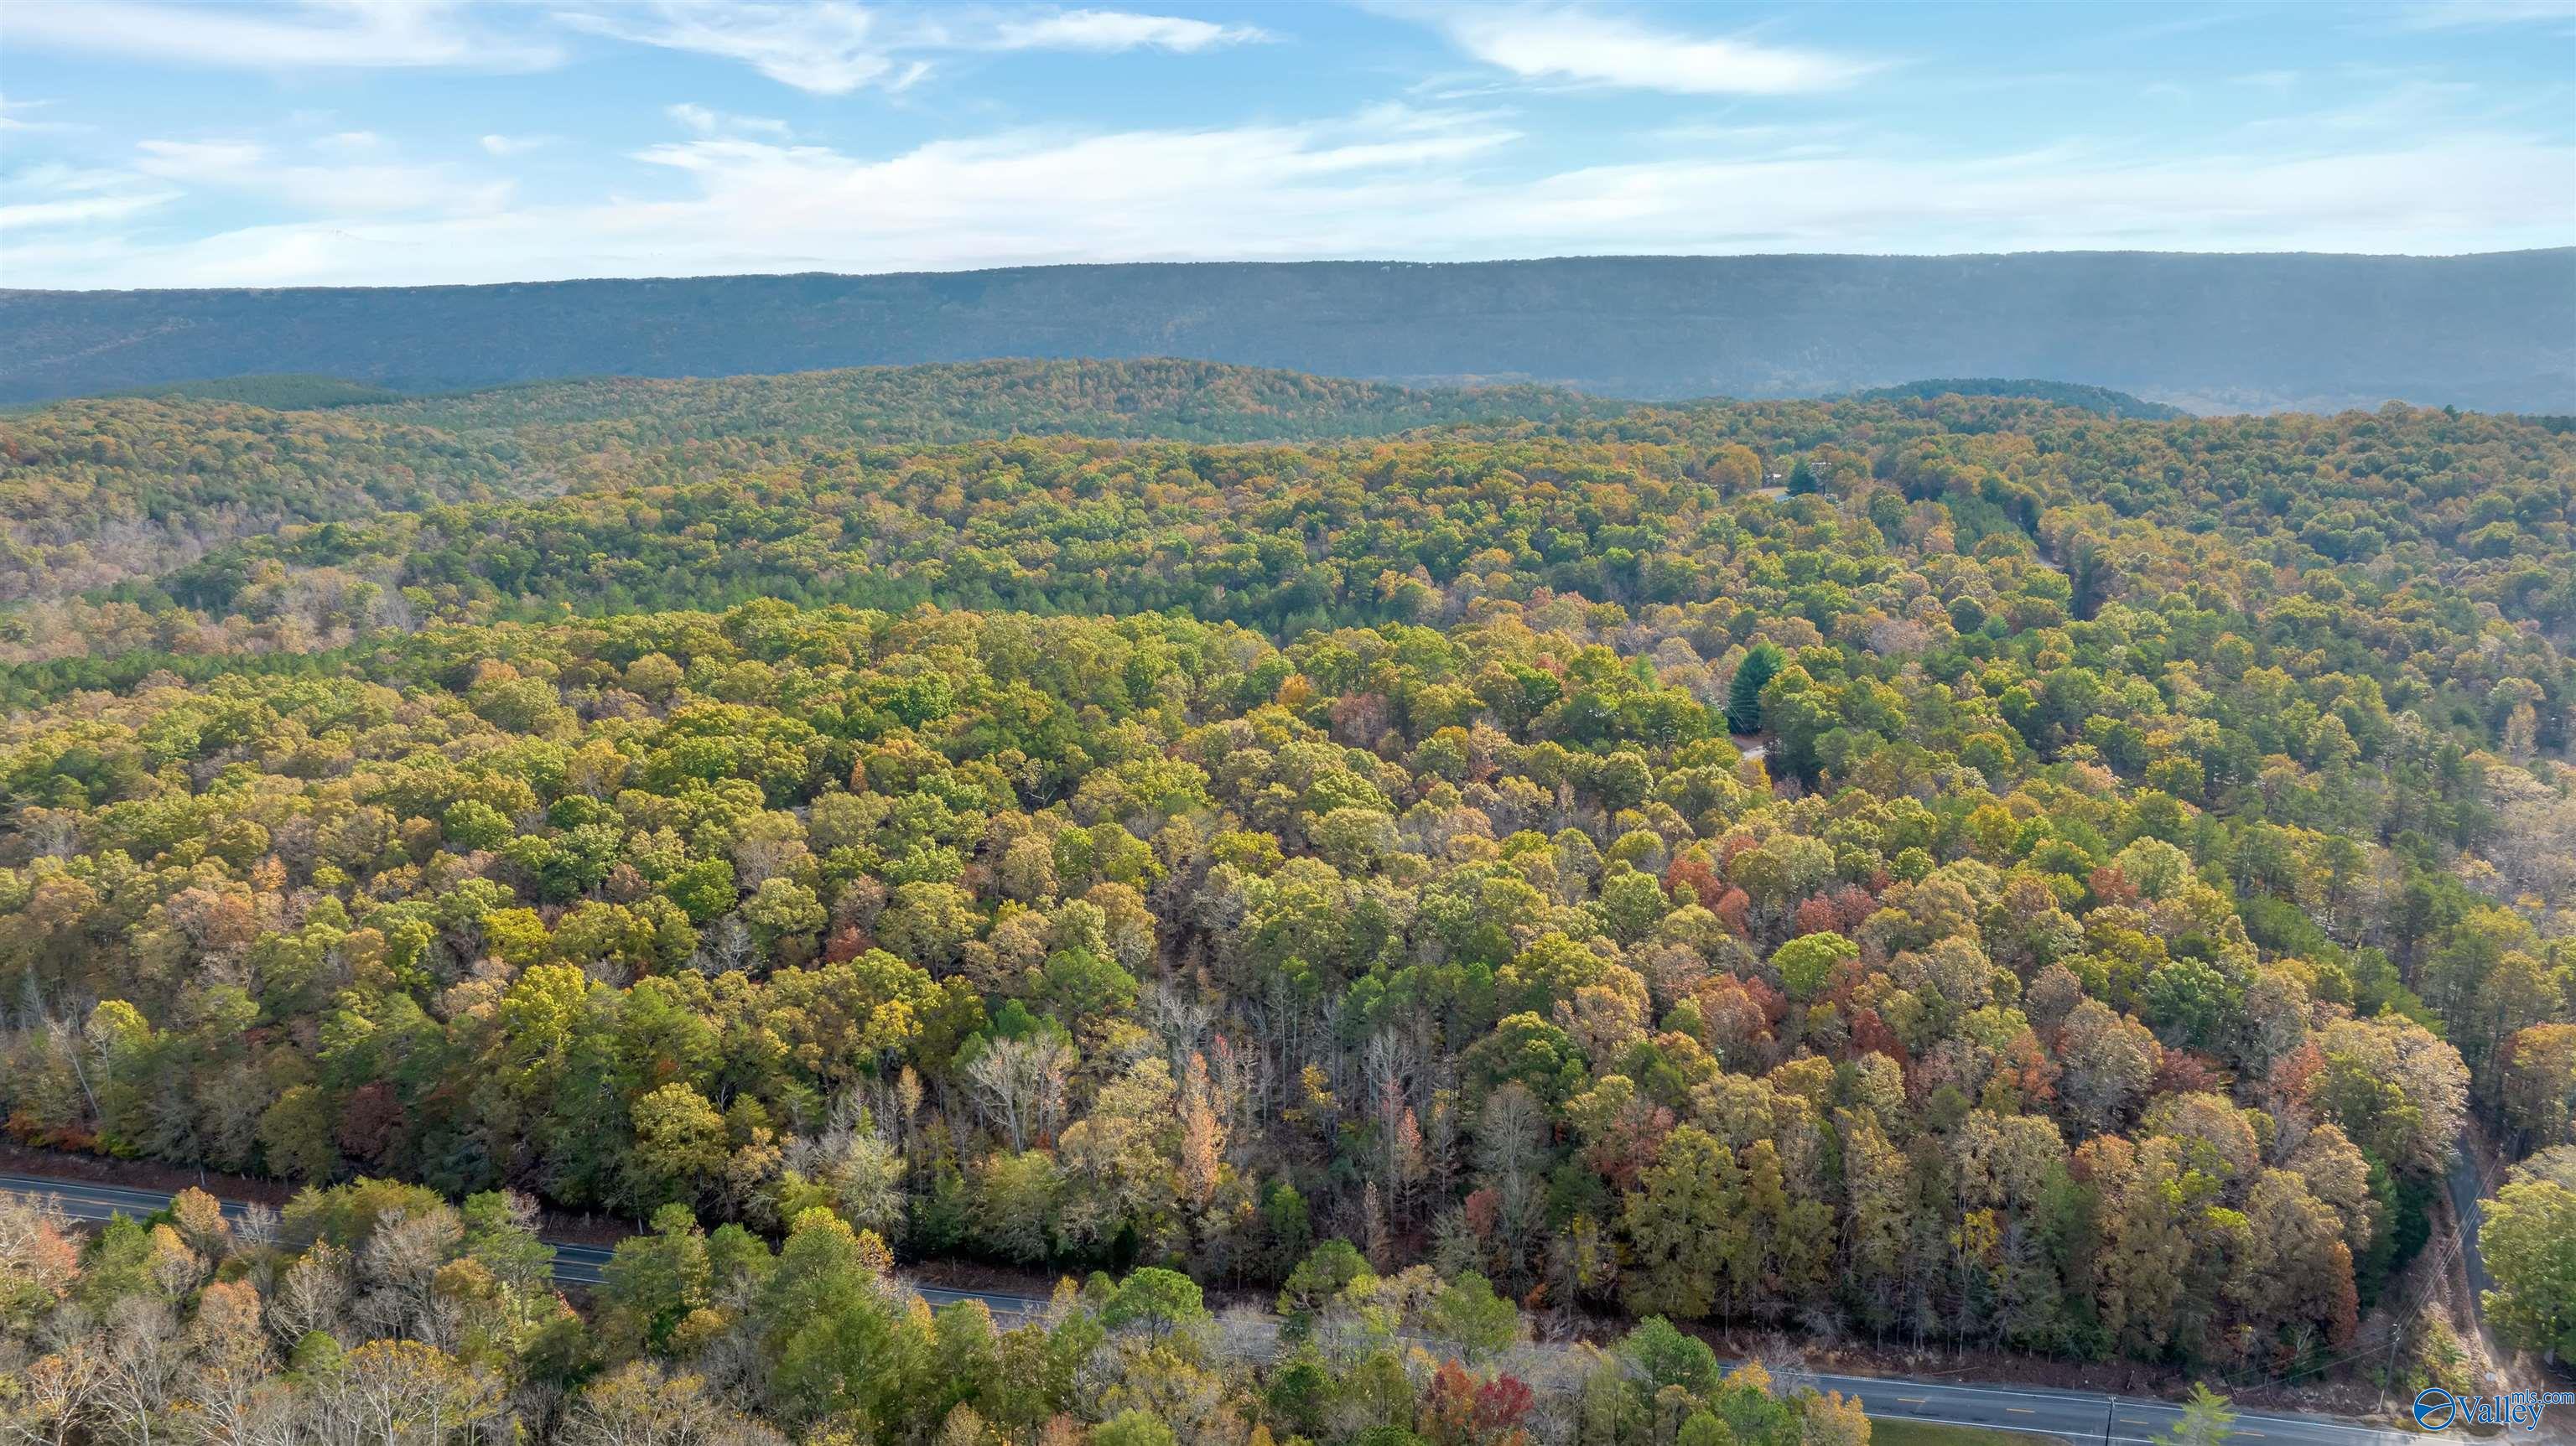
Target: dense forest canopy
{"points": [[2211, 332], [2092, 399], [1932, 870], [95, 491]]}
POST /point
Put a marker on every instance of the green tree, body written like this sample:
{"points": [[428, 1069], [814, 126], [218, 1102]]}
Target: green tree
{"points": [[834, 1338], [1324, 1274], [704, 890], [1468, 1312], [784, 917], [2529, 1240], [653, 1281], [2207, 1420], [295, 1136], [1744, 695], [1157, 1300], [1808, 960], [679, 1147], [1132, 1427], [1663, 1356], [1684, 1227]]}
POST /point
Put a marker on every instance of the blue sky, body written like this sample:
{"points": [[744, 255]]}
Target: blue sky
{"points": [[362, 142]]}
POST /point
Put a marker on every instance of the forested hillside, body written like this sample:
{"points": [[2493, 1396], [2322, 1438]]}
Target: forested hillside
{"points": [[95, 491], [2024, 879], [1155, 397], [2069, 394], [2209, 331]]}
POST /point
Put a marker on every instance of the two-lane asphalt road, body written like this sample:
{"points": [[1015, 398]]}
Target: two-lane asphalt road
{"points": [[2083, 1418], [2086, 1418], [83, 1201], [574, 1264]]}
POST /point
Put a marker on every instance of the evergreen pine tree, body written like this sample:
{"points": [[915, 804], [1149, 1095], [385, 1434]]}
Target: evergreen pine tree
{"points": [[1744, 695]]}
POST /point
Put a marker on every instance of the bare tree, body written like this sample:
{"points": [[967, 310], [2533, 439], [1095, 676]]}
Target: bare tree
{"points": [[201, 1223], [38, 1249], [854, 1157], [311, 1295], [1177, 1020], [641, 1405], [56, 1392], [141, 1367], [1018, 1086], [399, 1266], [232, 1398], [401, 1393]]}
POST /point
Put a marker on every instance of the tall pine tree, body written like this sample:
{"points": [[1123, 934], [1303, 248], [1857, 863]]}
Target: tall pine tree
{"points": [[1744, 695]]}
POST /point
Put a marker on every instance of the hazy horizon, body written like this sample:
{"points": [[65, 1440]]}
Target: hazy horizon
{"points": [[1339, 261], [157, 145]]}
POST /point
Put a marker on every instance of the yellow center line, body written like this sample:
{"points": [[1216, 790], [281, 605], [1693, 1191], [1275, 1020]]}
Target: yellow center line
{"points": [[2025, 1410], [1911, 1400]]}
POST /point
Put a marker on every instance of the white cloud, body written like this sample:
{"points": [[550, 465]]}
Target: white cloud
{"points": [[1821, 138], [507, 146], [755, 205], [1391, 183], [708, 122], [2452, 193], [2482, 14], [309, 34], [78, 210], [831, 48], [835, 48], [1591, 47], [53, 176], [199, 160], [1113, 30], [359, 188], [74, 196], [20, 122]]}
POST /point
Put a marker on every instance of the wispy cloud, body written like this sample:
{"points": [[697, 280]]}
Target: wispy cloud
{"points": [[707, 122], [1391, 182], [2413, 157], [14, 117], [78, 210], [1114, 30], [2484, 14], [2184, 24], [56, 195], [308, 34], [1597, 48], [754, 205], [835, 48], [361, 188], [200, 160], [1806, 139], [829, 48]]}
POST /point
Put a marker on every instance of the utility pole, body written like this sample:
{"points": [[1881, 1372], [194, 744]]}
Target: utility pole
{"points": [[2396, 1333], [2398, 1320]]}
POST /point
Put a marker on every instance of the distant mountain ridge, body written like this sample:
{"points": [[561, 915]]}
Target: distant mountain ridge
{"points": [[97, 492], [2205, 332], [2066, 394], [1166, 397]]}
